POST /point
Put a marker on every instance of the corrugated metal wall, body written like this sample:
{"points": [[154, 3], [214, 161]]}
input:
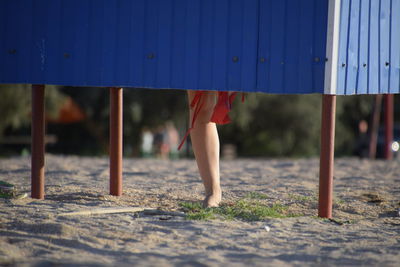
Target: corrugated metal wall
{"points": [[369, 47], [196, 44], [273, 46], [292, 46]]}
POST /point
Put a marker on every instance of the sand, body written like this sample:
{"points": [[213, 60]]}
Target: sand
{"points": [[366, 231]]}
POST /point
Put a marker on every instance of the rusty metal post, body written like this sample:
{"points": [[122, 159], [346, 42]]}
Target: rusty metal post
{"points": [[388, 126], [116, 141], [327, 156], [376, 115], [37, 146]]}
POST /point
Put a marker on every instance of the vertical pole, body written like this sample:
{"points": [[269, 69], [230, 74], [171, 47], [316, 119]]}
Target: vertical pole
{"points": [[376, 115], [327, 156], [388, 126], [116, 141], [37, 146]]}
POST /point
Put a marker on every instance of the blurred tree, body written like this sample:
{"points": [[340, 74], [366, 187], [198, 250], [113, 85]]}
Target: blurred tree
{"points": [[275, 125], [264, 125], [289, 125], [15, 105]]}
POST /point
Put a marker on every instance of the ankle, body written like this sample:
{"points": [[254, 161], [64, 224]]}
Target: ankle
{"points": [[214, 191], [213, 200]]}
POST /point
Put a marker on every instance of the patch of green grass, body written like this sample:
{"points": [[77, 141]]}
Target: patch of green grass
{"points": [[190, 206], [337, 200], [6, 184], [194, 211], [202, 215], [5, 195], [244, 209], [256, 195], [302, 198], [251, 211]]}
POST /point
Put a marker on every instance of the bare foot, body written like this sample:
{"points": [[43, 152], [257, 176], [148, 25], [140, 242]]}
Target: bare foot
{"points": [[212, 200]]}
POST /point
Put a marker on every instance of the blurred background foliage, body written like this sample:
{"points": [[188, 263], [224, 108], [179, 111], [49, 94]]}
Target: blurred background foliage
{"points": [[262, 126], [15, 105]]}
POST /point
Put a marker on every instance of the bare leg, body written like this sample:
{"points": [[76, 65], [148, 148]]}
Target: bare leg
{"points": [[205, 144]]}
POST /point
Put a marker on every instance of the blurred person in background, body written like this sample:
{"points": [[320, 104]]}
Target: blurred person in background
{"points": [[172, 139], [146, 147], [160, 144], [361, 148]]}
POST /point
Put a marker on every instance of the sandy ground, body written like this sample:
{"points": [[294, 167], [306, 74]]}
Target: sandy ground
{"points": [[367, 202]]}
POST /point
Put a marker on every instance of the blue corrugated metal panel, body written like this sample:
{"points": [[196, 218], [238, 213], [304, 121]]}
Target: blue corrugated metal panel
{"points": [[362, 78], [198, 44], [394, 85], [352, 47], [292, 46], [164, 50], [384, 49], [344, 29], [123, 46], [249, 44], [320, 32], [245, 45], [305, 48], [192, 41], [373, 52], [369, 60]]}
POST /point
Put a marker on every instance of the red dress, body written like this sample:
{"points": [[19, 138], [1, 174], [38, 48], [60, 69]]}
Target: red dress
{"points": [[220, 113]]}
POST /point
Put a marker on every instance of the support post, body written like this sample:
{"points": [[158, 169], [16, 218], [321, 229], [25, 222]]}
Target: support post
{"points": [[327, 156], [116, 141], [37, 145], [388, 126], [376, 115]]}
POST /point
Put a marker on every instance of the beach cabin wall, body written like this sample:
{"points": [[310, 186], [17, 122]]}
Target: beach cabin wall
{"points": [[271, 46]]}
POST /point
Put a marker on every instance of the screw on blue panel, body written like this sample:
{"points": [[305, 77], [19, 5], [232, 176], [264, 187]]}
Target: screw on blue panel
{"points": [[235, 59], [326, 59], [66, 55], [364, 65], [12, 51], [150, 56], [262, 60], [282, 62], [343, 65], [317, 59], [387, 64]]}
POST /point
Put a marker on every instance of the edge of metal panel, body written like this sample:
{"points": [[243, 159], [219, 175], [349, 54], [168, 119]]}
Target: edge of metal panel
{"points": [[332, 47]]}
